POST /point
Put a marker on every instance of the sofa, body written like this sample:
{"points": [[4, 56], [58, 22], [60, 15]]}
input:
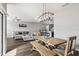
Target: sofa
{"points": [[25, 35]]}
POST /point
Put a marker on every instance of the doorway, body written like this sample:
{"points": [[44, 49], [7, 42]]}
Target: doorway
{"points": [[1, 34]]}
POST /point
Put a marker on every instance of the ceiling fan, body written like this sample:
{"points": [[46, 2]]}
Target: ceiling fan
{"points": [[16, 19], [66, 4]]}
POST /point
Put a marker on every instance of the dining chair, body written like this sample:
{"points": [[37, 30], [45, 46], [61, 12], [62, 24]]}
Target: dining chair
{"points": [[69, 47]]}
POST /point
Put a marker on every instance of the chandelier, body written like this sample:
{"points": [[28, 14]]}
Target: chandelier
{"points": [[46, 15]]}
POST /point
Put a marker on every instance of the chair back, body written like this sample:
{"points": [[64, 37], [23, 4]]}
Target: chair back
{"points": [[70, 47]]}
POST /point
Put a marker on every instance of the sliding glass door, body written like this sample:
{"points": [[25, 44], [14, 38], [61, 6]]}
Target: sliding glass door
{"points": [[1, 33]]}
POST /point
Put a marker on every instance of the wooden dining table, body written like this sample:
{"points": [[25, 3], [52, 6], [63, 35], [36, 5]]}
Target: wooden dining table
{"points": [[52, 41], [55, 41], [47, 49]]}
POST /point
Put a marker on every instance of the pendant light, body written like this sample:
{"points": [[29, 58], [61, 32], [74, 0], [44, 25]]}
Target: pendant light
{"points": [[46, 15]]}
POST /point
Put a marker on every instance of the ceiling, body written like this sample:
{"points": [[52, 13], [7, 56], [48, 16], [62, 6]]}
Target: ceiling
{"points": [[30, 11]]}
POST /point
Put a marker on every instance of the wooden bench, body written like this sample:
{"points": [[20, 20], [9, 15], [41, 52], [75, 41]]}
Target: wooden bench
{"points": [[42, 49]]}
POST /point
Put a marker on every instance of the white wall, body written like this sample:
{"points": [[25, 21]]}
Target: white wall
{"points": [[66, 22], [13, 26]]}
